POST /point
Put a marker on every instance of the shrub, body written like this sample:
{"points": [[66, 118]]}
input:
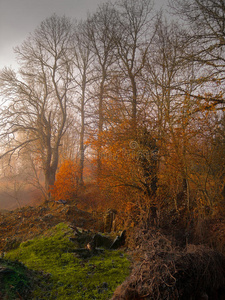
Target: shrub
{"points": [[66, 183]]}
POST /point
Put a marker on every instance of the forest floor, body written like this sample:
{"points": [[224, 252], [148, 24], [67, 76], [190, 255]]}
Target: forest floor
{"points": [[38, 261], [48, 267]]}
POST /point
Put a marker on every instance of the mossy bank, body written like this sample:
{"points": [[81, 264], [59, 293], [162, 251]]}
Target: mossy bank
{"points": [[66, 276]]}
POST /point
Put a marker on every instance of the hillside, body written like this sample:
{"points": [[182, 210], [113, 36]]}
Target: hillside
{"points": [[53, 270], [25, 223]]}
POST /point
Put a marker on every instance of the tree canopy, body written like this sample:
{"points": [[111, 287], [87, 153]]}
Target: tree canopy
{"points": [[135, 99]]}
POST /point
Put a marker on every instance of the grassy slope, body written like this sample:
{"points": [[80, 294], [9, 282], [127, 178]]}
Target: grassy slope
{"points": [[70, 277]]}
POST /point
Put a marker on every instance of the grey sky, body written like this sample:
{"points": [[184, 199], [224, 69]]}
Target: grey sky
{"points": [[20, 17]]}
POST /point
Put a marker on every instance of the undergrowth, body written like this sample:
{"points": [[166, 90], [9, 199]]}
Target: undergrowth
{"points": [[14, 280], [70, 277]]}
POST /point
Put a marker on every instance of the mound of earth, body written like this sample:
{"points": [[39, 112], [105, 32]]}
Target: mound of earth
{"points": [[25, 223], [59, 272]]}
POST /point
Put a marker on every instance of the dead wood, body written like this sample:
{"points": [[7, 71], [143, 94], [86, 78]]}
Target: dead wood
{"points": [[164, 272]]}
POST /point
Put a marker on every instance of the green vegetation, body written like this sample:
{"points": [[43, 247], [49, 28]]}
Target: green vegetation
{"points": [[14, 280], [70, 277]]}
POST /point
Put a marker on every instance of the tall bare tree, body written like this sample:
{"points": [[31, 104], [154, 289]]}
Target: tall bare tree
{"points": [[100, 31], [169, 78], [36, 99], [83, 62], [133, 39]]}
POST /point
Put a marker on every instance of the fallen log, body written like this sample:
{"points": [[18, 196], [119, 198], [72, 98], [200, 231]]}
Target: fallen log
{"points": [[86, 238]]}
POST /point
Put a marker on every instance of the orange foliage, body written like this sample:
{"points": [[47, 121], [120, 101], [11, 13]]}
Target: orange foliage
{"points": [[66, 183], [122, 176]]}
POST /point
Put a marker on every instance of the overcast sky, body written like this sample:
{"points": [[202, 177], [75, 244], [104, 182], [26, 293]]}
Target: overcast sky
{"points": [[20, 17]]}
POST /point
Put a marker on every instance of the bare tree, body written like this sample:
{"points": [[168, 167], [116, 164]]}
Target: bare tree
{"points": [[206, 22], [83, 62], [35, 103], [133, 39], [100, 31], [169, 78]]}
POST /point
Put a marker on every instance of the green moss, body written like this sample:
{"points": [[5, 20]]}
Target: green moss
{"points": [[71, 277], [15, 281]]}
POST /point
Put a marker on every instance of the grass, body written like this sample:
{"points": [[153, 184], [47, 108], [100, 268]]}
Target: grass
{"points": [[15, 282], [70, 277]]}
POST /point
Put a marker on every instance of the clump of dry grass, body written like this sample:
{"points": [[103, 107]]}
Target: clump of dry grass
{"points": [[164, 272]]}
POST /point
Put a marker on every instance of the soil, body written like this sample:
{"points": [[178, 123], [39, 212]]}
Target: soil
{"points": [[26, 223]]}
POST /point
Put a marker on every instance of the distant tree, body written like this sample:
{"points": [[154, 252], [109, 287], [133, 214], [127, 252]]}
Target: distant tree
{"points": [[34, 108]]}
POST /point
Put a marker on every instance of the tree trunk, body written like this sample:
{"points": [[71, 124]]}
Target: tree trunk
{"points": [[81, 179], [50, 169], [100, 122]]}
